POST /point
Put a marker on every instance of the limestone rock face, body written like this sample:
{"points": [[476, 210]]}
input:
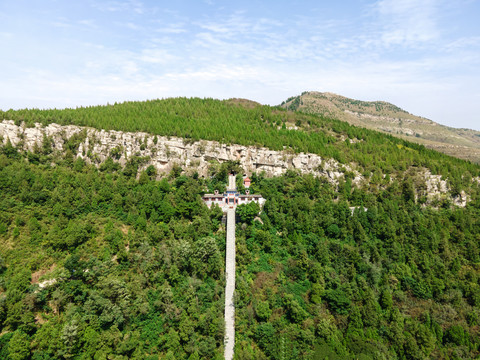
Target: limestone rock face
{"points": [[437, 188], [164, 152], [95, 146]]}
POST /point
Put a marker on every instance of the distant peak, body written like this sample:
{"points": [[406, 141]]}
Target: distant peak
{"points": [[249, 104]]}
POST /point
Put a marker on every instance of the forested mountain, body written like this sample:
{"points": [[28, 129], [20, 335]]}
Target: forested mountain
{"points": [[102, 262], [388, 118], [248, 123]]}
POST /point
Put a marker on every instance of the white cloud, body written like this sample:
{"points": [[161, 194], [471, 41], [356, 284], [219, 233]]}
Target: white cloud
{"points": [[157, 56], [172, 29], [464, 43], [408, 22], [119, 6], [89, 23], [132, 26], [61, 24], [217, 72], [208, 39]]}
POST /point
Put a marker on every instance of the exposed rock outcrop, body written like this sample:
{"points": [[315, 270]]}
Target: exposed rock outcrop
{"points": [[437, 188], [164, 152], [95, 146]]}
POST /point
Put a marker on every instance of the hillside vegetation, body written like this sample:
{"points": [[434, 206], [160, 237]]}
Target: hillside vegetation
{"points": [[96, 264], [247, 123], [388, 118], [107, 263]]}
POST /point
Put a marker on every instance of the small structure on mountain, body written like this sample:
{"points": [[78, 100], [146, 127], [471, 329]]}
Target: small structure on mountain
{"points": [[246, 182], [231, 197]]}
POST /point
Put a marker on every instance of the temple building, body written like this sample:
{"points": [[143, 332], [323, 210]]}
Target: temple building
{"points": [[247, 182], [231, 197]]}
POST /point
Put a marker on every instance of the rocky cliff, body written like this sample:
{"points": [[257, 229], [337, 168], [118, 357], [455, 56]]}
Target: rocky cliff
{"points": [[164, 152], [95, 146]]}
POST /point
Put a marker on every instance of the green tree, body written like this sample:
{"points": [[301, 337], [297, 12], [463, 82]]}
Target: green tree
{"points": [[19, 346], [262, 310], [247, 212]]}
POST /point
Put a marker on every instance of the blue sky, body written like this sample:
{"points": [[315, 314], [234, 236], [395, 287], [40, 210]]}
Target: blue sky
{"points": [[422, 55]]}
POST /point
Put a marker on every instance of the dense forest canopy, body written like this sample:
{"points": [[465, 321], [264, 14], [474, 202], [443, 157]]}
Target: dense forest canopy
{"points": [[104, 264], [107, 263]]}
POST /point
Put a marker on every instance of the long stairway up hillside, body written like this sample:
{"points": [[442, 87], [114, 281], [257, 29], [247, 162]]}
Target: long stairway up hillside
{"points": [[230, 286], [228, 202]]}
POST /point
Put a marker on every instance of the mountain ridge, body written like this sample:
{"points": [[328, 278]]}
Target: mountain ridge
{"points": [[390, 119]]}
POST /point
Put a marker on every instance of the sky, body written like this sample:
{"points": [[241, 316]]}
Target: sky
{"points": [[421, 55]]}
